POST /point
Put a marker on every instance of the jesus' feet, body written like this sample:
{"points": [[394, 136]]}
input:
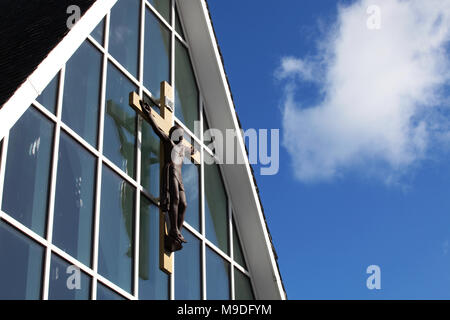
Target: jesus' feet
{"points": [[177, 235]]}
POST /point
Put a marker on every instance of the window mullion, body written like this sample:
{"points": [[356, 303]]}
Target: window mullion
{"points": [[138, 156], [99, 162], [52, 187], [172, 82]]}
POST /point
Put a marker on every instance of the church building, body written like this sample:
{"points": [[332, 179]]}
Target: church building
{"points": [[80, 168]]}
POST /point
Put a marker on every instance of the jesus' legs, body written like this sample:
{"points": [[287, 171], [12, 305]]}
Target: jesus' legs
{"points": [[181, 211], [173, 208]]}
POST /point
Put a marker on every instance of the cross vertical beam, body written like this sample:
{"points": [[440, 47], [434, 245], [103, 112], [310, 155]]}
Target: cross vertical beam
{"points": [[164, 120]]}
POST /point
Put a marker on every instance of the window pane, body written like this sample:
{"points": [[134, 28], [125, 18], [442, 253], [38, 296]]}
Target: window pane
{"points": [[215, 207], [163, 7], [27, 170], [21, 265], [186, 92], [98, 33], [153, 283], [156, 54], [115, 260], [120, 122], [238, 254], [48, 97], [178, 26], [150, 159], [104, 293], [217, 276], [242, 286], [191, 181], [67, 282], [207, 135], [82, 92], [74, 203], [124, 34], [187, 270]]}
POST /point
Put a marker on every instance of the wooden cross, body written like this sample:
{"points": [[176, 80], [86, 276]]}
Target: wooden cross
{"points": [[164, 121]]}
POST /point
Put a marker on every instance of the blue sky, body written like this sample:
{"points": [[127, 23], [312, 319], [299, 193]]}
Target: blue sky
{"points": [[364, 177]]}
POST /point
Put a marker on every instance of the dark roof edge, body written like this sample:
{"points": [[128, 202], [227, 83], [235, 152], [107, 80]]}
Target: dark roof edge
{"points": [[246, 150]]}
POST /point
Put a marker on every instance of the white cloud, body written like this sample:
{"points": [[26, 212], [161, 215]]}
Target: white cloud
{"points": [[291, 66], [380, 89]]}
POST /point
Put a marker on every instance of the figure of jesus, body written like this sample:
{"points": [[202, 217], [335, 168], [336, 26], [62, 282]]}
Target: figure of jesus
{"points": [[172, 193]]}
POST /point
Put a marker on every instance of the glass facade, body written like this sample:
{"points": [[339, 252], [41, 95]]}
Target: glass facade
{"points": [[48, 97], [124, 34], [82, 92], [74, 200], [80, 169], [242, 286], [178, 27], [188, 284], [116, 239], [27, 172], [153, 283], [156, 53], [21, 266], [186, 91], [217, 276], [216, 208], [120, 121], [99, 32]]}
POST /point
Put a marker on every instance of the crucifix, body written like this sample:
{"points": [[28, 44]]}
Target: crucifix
{"points": [[173, 146]]}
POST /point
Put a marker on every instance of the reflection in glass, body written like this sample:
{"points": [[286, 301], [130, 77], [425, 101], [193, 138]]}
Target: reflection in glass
{"points": [[120, 122], [217, 276], [187, 269], [163, 7], [82, 92], [116, 237], [216, 221], [208, 136], [124, 34], [242, 286], [178, 27], [238, 254], [156, 53], [20, 265], [104, 293], [67, 282], [150, 158], [74, 203], [98, 33], [186, 92], [191, 181], [205, 128], [48, 97], [27, 171], [153, 283]]}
